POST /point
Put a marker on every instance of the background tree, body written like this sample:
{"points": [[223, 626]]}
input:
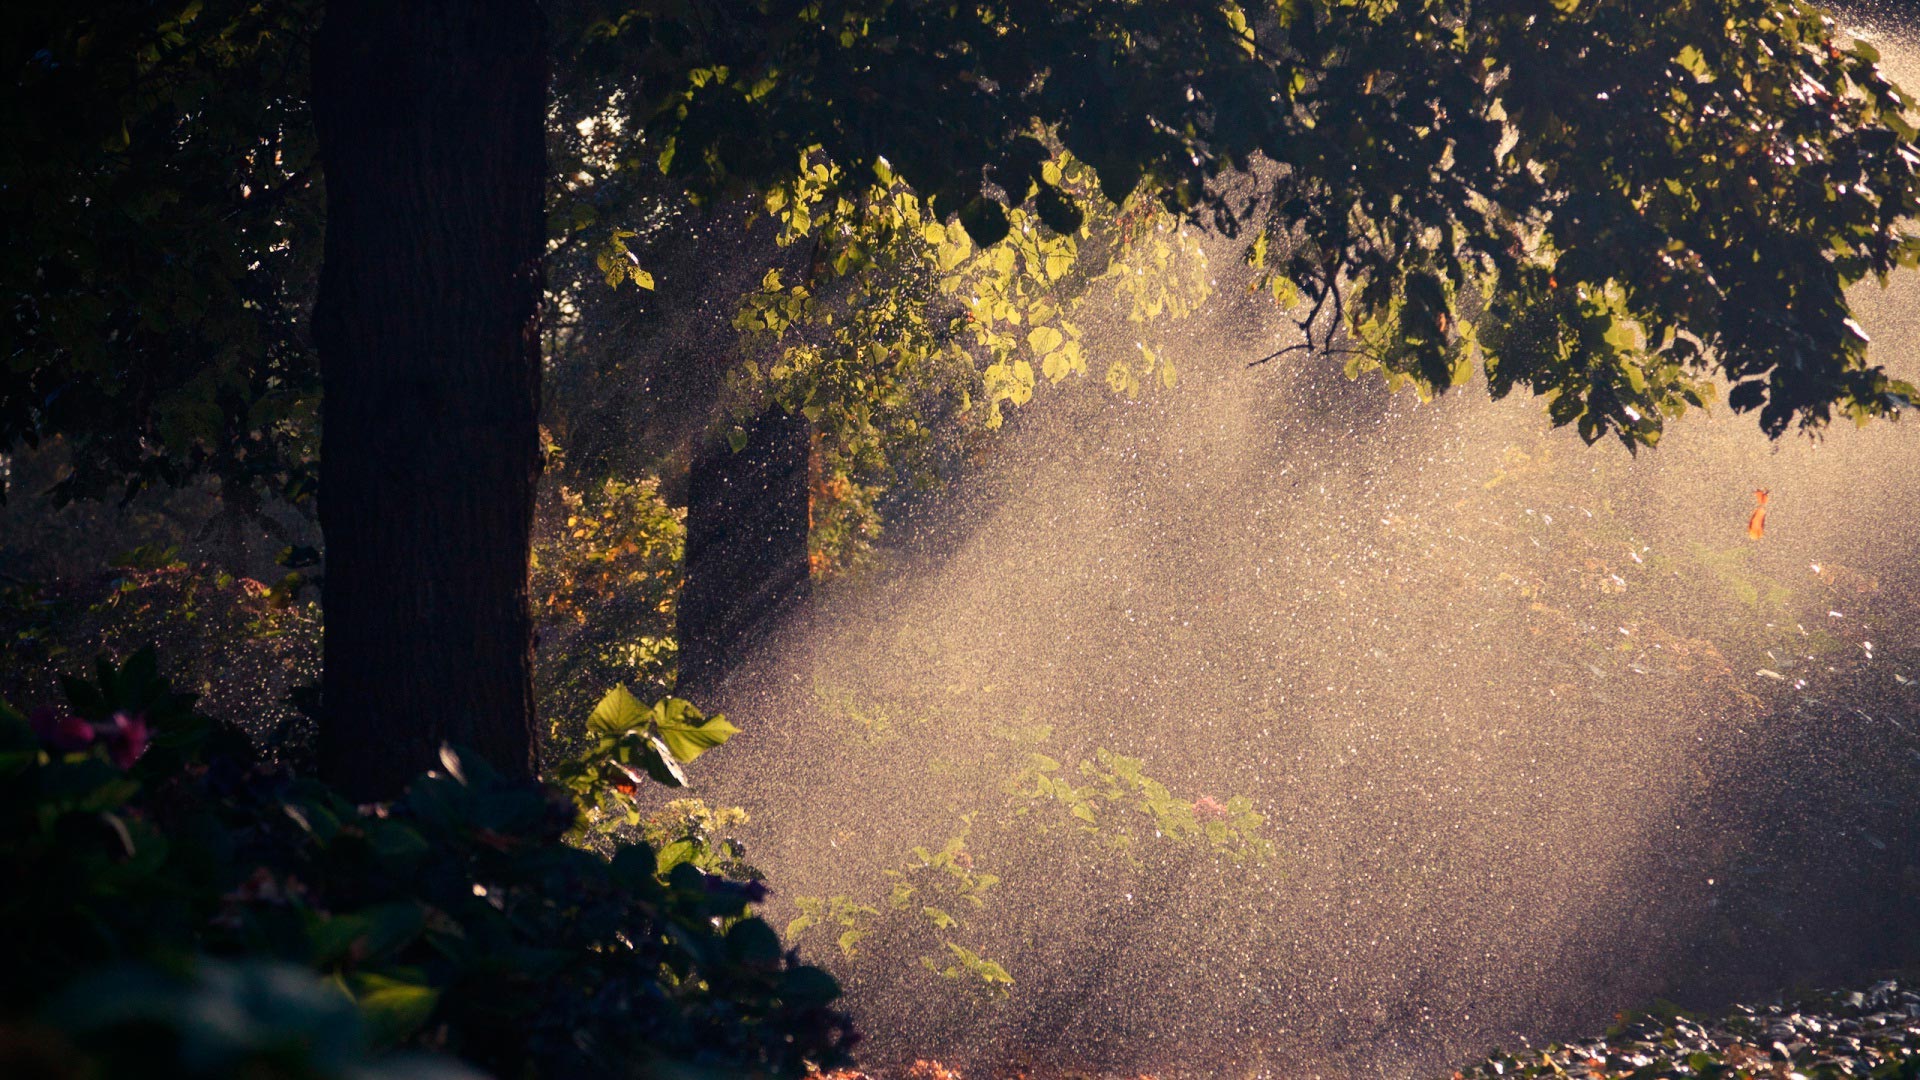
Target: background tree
{"points": [[159, 193]]}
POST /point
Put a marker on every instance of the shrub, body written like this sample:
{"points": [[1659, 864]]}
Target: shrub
{"points": [[257, 1019], [606, 585], [249, 648], [456, 918]]}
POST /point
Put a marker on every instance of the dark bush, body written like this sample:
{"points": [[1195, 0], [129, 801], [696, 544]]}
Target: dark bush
{"points": [[456, 918]]}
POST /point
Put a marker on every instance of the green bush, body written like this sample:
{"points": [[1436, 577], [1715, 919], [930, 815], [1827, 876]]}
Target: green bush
{"points": [[456, 918], [257, 1019]]}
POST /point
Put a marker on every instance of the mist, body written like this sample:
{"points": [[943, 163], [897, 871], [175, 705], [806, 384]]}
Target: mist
{"points": [[1540, 734]]}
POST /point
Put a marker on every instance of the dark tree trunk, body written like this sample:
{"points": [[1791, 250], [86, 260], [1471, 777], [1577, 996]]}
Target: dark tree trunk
{"points": [[432, 130], [746, 563]]}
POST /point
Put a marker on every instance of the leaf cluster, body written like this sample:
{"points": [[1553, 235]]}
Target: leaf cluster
{"points": [[606, 587], [1605, 205], [905, 342], [158, 203], [950, 906], [629, 744], [455, 918]]}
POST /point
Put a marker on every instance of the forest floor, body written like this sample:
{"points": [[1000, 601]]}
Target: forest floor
{"points": [[1872, 1033]]}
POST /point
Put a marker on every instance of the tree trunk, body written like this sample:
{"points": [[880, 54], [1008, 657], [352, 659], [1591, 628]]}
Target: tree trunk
{"points": [[746, 559], [432, 131]]}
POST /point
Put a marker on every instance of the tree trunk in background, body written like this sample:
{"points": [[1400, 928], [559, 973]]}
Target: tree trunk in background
{"points": [[431, 121], [746, 559]]}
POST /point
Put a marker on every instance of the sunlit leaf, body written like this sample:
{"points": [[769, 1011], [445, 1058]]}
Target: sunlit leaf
{"points": [[618, 712], [687, 733]]}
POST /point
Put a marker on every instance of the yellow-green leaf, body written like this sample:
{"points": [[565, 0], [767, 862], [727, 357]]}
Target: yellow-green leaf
{"points": [[688, 734], [618, 712]]}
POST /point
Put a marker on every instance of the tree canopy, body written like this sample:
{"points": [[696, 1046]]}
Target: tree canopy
{"points": [[1606, 205], [159, 218]]}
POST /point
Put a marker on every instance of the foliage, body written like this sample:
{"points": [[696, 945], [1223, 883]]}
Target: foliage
{"points": [[605, 584], [690, 831], [1823, 1037], [454, 918], [256, 1019], [1605, 206], [844, 519], [620, 538], [159, 217], [1138, 808], [249, 648], [902, 339], [629, 744], [947, 911]]}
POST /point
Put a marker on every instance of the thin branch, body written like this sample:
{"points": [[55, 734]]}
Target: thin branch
{"points": [[1296, 347]]}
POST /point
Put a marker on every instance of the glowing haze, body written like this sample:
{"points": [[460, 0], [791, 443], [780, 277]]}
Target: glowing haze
{"points": [[1541, 733]]}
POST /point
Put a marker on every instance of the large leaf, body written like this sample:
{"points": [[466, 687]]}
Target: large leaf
{"points": [[1044, 339], [618, 713], [687, 732]]}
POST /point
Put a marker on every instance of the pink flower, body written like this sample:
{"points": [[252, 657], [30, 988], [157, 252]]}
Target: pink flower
{"points": [[1205, 807], [126, 739], [64, 733]]}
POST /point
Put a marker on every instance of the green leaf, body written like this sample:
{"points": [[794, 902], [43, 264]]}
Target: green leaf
{"points": [[392, 839], [674, 854], [618, 713], [753, 942], [808, 986], [687, 731]]}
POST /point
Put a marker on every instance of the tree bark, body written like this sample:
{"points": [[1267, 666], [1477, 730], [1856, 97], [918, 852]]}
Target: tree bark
{"points": [[746, 561], [432, 131]]}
